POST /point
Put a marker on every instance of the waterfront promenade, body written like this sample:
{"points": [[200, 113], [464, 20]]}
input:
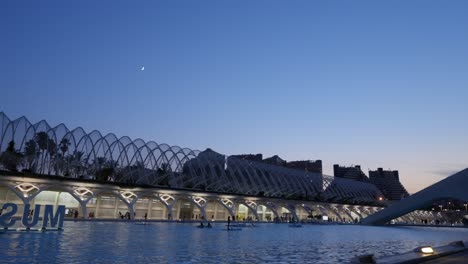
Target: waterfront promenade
{"points": [[459, 258], [453, 252]]}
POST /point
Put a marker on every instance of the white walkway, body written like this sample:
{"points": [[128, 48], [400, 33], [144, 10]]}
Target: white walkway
{"points": [[455, 187]]}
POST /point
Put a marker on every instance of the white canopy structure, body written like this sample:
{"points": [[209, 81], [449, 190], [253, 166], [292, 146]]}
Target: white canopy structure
{"points": [[42, 149]]}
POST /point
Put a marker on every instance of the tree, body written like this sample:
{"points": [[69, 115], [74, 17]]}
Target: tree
{"points": [[61, 164], [52, 154], [113, 166], [30, 154], [103, 169], [163, 172], [131, 174], [10, 158], [47, 148], [63, 145], [76, 162], [104, 174], [41, 139]]}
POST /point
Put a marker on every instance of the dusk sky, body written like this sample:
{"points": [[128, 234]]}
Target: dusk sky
{"points": [[374, 83]]}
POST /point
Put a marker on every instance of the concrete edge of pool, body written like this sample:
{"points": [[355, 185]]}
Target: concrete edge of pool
{"points": [[443, 253]]}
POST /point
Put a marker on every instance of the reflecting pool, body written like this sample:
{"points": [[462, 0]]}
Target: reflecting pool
{"points": [[127, 242]]}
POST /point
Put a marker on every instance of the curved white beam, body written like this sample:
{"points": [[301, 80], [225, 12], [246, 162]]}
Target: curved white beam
{"points": [[452, 187]]}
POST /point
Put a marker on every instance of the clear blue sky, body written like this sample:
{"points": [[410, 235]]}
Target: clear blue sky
{"points": [[380, 84]]}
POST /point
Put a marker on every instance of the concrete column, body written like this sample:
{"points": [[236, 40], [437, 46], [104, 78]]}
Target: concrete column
{"points": [[235, 209], [336, 213], [292, 210], [274, 209], [57, 197], [164, 212], [131, 209], [168, 201], [150, 207], [84, 210], [98, 203], [116, 206], [170, 212], [355, 210], [215, 211], [231, 211]]}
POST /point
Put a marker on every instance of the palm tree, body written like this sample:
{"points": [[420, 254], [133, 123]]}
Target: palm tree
{"points": [[104, 169], [113, 167], [77, 166], [68, 161], [59, 164], [63, 145], [10, 158], [163, 173], [31, 152], [52, 153], [99, 162], [134, 171], [97, 165], [42, 139], [60, 161]]}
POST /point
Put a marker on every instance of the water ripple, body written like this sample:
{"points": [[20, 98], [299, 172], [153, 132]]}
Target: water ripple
{"points": [[95, 242]]}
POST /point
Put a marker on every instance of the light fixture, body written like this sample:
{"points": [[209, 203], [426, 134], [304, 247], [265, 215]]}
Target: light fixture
{"points": [[81, 191], [200, 201], [424, 250], [251, 204], [128, 195], [26, 188], [166, 198], [227, 202]]}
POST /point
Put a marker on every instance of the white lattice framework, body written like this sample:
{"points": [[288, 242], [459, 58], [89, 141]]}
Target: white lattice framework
{"points": [[139, 162]]}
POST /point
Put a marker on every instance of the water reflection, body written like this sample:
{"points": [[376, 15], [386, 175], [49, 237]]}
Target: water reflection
{"points": [[93, 242]]}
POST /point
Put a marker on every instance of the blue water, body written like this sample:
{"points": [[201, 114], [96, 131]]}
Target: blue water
{"points": [[125, 242]]}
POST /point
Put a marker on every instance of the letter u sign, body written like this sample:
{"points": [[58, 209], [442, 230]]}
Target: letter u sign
{"points": [[55, 220]]}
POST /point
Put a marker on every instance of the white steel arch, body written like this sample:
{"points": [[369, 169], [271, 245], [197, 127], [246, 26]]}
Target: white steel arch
{"points": [[78, 154]]}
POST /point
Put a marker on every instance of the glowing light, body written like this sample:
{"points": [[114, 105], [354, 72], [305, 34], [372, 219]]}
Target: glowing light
{"points": [[25, 188], [128, 195], [200, 201], [427, 250], [424, 249], [227, 202], [81, 191], [166, 198], [251, 204]]}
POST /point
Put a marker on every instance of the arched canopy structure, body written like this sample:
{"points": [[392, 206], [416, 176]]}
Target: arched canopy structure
{"points": [[74, 153]]}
